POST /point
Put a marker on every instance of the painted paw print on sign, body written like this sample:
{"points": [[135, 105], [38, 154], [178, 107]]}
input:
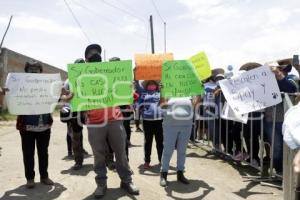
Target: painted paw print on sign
{"points": [[236, 109], [275, 95]]}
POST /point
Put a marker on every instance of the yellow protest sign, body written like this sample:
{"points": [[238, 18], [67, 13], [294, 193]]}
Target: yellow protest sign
{"points": [[201, 63], [149, 66]]}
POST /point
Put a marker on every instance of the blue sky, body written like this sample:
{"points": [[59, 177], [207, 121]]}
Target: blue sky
{"points": [[229, 31]]}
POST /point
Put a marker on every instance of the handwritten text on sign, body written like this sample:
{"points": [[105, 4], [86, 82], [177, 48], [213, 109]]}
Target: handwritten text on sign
{"points": [[32, 94], [149, 66], [252, 90], [100, 85], [179, 79], [200, 61]]}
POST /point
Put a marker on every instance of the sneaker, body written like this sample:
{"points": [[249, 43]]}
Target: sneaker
{"points": [[147, 165], [130, 188], [241, 156], [70, 155], [163, 179], [30, 184], [47, 181], [181, 178], [255, 163], [77, 166], [100, 192]]}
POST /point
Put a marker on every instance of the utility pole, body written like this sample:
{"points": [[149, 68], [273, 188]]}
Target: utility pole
{"points": [[165, 36], [5, 32], [104, 55], [152, 35]]}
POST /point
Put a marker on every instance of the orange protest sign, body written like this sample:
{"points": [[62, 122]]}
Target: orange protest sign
{"points": [[149, 66]]}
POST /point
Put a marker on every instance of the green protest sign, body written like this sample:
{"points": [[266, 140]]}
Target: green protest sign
{"points": [[100, 85], [179, 79]]}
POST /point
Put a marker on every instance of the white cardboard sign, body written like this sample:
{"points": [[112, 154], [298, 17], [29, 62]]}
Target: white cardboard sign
{"points": [[32, 93], [252, 90], [229, 114]]}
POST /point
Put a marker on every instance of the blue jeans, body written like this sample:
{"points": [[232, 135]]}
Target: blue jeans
{"points": [[278, 143], [175, 135]]}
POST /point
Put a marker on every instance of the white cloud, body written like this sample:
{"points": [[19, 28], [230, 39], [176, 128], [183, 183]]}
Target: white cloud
{"points": [[277, 16], [35, 23], [206, 10]]}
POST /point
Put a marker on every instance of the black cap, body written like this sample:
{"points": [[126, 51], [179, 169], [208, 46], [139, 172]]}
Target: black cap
{"points": [[286, 68], [33, 64], [79, 60], [114, 59], [92, 46]]}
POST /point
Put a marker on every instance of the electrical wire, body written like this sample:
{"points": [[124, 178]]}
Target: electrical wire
{"points": [[77, 21], [156, 9], [108, 20], [124, 11]]}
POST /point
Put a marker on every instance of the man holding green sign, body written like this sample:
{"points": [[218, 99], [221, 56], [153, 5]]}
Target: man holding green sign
{"points": [[100, 85], [99, 88]]}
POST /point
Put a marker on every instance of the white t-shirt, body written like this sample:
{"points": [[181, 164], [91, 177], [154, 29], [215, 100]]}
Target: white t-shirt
{"points": [[179, 111]]}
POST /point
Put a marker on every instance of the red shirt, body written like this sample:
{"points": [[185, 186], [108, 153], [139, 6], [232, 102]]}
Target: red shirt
{"points": [[100, 116]]}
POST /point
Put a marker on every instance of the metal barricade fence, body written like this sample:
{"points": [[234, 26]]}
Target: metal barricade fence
{"points": [[291, 180], [257, 150]]}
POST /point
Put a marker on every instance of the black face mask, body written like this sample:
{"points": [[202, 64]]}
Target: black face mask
{"points": [[95, 58]]}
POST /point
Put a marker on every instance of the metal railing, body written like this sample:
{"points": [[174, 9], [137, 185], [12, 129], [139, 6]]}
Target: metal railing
{"points": [[252, 136]]}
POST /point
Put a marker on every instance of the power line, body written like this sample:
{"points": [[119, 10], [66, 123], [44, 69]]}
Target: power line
{"points": [[124, 11], [134, 10], [165, 25], [156, 9], [105, 18], [77, 21]]}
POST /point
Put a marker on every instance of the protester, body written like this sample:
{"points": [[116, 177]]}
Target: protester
{"points": [[139, 90], [152, 120], [2, 92], [291, 133], [251, 130], [127, 112], [212, 107], [286, 84], [75, 128], [35, 129], [177, 125], [103, 124]]}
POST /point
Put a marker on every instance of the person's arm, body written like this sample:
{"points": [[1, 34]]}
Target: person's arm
{"points": [[285, 84], [296, 162], [139, 89], [163, 102], [3, 91], [196, 100], [217, 91], [66, 96]]}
